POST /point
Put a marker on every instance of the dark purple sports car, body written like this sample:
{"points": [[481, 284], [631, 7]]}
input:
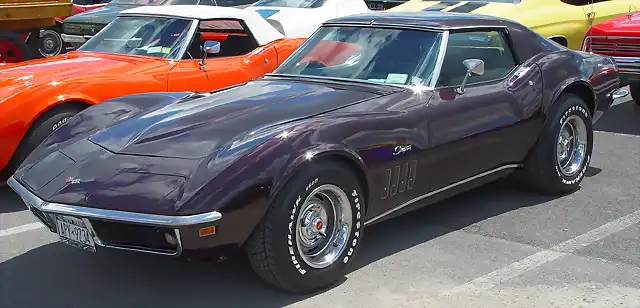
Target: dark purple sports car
{"points": [[373, 116]]}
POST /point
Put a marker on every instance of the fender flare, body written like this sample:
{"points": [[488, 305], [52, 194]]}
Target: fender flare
{"points": [[560, 89]]}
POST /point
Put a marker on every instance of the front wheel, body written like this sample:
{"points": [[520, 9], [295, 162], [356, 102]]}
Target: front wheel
{"points": [[635, 92], [562, 154], [311, 231]]}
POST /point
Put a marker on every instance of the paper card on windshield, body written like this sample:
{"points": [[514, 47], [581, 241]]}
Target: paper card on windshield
{"points": [[397, 78]]}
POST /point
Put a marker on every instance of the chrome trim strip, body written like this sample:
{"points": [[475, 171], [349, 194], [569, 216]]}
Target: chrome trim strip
{"points": [[627, 60], [416, 199], [440, 59], [73, 38], [112, 215], [616, 37]]}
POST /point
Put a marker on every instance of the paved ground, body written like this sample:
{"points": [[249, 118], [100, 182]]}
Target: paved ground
{"points": [[492, 247]]}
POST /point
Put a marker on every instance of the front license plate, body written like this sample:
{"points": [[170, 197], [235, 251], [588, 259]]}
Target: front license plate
{"points": [[74, 232]]}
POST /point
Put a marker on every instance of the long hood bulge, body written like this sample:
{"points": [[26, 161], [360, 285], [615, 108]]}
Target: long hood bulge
{"points": [[197, 127]]}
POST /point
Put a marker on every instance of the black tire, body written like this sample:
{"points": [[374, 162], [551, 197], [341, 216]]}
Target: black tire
{"points": [[40, 130], [635, 92], [541, 169], [272, 249], [15, 39]]}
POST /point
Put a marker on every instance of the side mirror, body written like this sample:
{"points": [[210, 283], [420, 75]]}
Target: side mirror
{"points": [[474, 67], [209, 48]]}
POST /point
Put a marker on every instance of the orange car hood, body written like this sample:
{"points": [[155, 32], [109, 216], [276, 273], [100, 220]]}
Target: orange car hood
{"points": [[75, 65]]}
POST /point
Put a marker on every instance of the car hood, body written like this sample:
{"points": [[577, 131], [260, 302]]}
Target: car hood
{"points": [[195, 128], [65, 67], [102, 16], [622, 25]]}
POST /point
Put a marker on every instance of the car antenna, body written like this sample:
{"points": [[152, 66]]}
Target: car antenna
{"points": [[591, 16]]}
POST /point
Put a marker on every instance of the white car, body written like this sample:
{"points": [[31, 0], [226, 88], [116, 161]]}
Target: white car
{"points": [[300, 18]]}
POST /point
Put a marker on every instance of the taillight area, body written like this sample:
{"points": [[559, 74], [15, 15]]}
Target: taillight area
{"points": [[613, 46]]}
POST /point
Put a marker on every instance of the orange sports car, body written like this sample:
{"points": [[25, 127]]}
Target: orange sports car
{"points": [[146, 49]]}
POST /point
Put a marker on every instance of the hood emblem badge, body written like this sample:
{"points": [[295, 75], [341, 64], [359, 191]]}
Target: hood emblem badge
{"points": [[72, 180]]}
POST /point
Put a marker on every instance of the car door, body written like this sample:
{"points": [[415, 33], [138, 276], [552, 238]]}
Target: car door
{"points": [[240, 59], [490, 123]]}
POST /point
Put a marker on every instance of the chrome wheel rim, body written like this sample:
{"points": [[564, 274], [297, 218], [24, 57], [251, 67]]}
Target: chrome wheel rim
{"points": [[323, 226], [51, 43], [571, 147]]}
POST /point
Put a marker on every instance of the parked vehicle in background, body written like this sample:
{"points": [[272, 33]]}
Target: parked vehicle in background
{"points": [[81, 27], [564, 21], [145, 49], [20, 19], [300, 18], [373, 116], [620, 38], [48, 42], [381, 5]]}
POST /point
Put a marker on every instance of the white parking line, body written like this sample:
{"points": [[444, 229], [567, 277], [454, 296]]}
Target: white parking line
{"points": [[20, 229], [616, 134], [520, 267]]}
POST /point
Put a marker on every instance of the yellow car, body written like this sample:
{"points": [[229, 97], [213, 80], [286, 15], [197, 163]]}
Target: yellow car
{"points": [[564, 21]]}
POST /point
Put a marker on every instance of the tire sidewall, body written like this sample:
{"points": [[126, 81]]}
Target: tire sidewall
{"points": [[294, 270], [570, 106], [42, 130], [635, 93]]}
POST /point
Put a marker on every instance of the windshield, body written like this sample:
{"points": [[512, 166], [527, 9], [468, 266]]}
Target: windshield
{"points": [[147, 36], [392, 56], [155, 2], [301, 4]]}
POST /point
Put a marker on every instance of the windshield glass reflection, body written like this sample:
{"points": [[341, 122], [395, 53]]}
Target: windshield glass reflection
{"points": [[391, 56]]}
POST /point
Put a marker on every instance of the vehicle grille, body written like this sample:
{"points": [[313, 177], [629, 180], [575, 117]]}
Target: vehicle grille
{"points": [[615, 47], [147, 238], [81, 28]]}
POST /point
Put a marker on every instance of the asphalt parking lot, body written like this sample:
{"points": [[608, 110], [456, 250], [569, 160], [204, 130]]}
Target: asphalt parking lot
{"points": [[498, 245]]}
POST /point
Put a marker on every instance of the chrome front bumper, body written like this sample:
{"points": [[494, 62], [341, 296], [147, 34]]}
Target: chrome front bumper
{"points": [[44, 211], [77, 39]]}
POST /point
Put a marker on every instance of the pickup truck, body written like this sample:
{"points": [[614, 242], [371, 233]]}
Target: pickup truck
{"points": [[22, 19]]}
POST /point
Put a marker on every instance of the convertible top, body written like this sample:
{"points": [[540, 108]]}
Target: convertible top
{"points": [[261, 29]]}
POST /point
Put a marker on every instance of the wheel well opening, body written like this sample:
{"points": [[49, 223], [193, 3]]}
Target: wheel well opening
{"points": [[584, 92], [560, 40], [74, 105], [362, 178]]}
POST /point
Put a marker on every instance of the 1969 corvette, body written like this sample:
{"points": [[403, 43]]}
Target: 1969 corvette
{"points": [[146, 49], [374, 115]]}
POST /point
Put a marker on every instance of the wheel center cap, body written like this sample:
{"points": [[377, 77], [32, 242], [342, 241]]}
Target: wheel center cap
{"points": [[319, 225]]}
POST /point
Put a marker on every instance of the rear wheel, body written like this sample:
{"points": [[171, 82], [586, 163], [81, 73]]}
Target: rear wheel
{"points": [[12, 48], [562, 154], [635, 92], [311, 231]]}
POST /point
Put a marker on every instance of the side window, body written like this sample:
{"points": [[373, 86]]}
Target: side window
{"points": [[207, 2], [488, 46], [232, 35]]}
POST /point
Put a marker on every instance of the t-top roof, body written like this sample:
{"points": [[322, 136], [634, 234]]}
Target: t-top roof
{"points": [[262, 30], [437, 20]]}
